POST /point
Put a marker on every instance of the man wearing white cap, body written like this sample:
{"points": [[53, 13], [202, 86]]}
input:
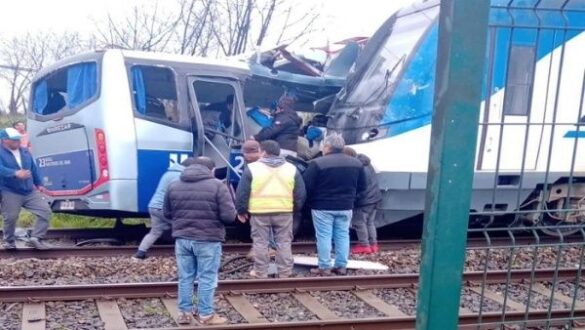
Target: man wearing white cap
{"points": [[21, 187]]}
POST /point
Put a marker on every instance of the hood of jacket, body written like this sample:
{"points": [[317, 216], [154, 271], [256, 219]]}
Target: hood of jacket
{"points": [[272, 161], [196, 173], [364, 159], [176, 167]]}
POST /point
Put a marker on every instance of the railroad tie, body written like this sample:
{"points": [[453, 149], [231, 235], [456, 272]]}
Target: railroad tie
{"points": [[33, 316], [315, 306], [537, 287], [173, 309], [500, 299], [371, 299], [245, 308], [111, 315]]}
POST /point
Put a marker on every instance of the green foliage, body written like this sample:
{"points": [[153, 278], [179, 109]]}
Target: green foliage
{"points": [[8, 120], [59, 220]]}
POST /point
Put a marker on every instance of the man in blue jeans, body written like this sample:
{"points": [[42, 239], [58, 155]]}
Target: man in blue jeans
{"points": [[198, 205], [333, 182]]}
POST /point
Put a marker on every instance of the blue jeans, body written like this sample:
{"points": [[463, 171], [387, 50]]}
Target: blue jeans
{"points": [[197, 259], [332, 225]]}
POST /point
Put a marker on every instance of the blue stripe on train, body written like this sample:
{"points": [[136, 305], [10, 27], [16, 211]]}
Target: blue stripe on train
{"points": [[412, 101]]}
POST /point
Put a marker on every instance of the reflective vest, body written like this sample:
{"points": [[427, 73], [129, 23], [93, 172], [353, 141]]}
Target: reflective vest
{"points": [[272, 188]]}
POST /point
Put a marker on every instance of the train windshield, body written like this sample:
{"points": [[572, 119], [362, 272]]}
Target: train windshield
{"points": [[65, 90], [385, 57]]}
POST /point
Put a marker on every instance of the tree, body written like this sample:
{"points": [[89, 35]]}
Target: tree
{"points": [[22, 57]]}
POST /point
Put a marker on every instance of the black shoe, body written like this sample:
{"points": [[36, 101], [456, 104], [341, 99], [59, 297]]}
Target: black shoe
{"points": [[36, 243], [139, 255], [340, 270], [9, 245]]}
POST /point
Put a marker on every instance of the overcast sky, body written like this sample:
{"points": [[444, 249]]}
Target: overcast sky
{"points": [[339, 18]]}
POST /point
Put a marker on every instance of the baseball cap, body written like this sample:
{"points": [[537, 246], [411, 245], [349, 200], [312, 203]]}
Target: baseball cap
{"points": [[10, 134]]}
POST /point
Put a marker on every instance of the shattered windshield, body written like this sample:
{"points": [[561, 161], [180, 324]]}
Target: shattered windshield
{"points": [[385, 57]]}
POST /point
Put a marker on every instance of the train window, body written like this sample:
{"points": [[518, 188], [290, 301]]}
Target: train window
{"points": [[519, 83], [64, 89], [155, 93]]}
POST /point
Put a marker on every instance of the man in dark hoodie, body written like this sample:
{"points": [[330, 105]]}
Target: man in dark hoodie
{"points": [[285, 127], [364, 212], [198, 205], [269, 191]]}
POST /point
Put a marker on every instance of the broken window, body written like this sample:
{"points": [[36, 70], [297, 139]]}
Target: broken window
{"points": [[519, 83], [67, 88], [155, 93], [216, 102]]}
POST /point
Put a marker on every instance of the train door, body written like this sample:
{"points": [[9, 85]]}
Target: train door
{"points": [[514, 106], [217, 105]]}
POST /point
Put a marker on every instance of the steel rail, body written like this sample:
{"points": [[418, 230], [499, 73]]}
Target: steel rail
{"points": [[298, 247], [162, 289], [466, 321]]}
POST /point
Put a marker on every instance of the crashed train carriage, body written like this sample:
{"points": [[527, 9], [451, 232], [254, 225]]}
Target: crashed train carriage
{"points": [[106, 124]]}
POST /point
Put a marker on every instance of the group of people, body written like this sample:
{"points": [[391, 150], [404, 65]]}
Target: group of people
{"points": [[21, 187], [338, 186]]}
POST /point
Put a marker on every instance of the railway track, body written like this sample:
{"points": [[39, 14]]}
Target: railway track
{"points": [[298, 247], [309, 293]]}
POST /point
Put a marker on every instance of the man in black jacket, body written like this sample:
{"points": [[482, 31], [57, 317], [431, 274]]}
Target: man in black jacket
{"points": [[198, 205], [285, 127], [364, 213], [333, 182]]}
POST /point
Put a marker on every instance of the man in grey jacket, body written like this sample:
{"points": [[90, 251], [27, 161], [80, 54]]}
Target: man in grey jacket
{"points": [[269, 191], [198, 205]]}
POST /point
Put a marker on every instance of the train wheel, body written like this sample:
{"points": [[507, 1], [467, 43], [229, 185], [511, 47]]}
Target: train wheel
{"points": [[562, 223]]}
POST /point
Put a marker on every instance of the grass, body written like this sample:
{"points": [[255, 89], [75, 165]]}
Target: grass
{"points": [[59, 220]]}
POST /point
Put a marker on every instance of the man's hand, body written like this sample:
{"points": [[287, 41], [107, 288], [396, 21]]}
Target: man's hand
{"points": [[42, 190], [22, 174], [242, 218]]}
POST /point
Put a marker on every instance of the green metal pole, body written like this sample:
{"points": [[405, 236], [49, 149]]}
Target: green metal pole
{"points": [[461, 54]]}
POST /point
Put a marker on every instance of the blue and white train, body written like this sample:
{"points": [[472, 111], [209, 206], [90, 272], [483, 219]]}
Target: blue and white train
{"points": [[105, 125]]}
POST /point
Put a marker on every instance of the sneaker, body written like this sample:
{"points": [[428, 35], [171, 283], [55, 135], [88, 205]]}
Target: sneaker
{"points": [[375, 248], [361, 249], [320, 272], [184, 318], [212, 319], [36, 243], [139, 255], [339, 270], [254, 274], [9, 245]]}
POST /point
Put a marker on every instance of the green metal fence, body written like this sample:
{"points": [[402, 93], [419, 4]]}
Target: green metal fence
{"points": [[507, 159]]}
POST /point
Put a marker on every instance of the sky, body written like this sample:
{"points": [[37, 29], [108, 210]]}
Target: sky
{"points": [[339, 19]]}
